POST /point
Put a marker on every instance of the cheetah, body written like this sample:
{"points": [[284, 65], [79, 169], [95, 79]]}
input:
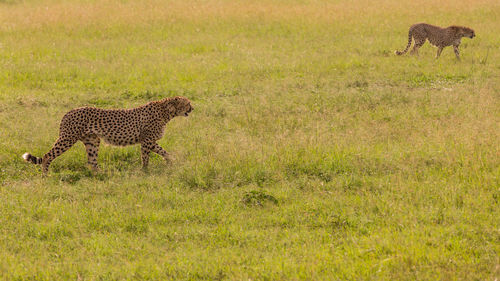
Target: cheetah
{"points": [[143, 125], [437, 36]]}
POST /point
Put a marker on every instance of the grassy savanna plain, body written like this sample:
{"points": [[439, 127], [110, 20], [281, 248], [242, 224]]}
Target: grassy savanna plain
{"points": [[313, 152]]}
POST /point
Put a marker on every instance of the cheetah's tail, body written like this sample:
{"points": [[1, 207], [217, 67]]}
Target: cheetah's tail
{"points": [[32, 159], [399, 53]]}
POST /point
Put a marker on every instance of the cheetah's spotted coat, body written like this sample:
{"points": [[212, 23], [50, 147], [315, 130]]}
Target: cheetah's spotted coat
{"points": [[437, 36], [144, 125]]}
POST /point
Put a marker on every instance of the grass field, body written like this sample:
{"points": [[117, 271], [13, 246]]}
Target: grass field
{"points": [[313, 153]]}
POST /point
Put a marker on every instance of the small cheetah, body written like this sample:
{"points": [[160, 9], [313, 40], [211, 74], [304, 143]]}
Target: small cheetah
{"points": [[144, 125], [437, 36]]}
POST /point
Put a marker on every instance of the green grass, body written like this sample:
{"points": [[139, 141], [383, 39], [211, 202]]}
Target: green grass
{"points": [[313, 152]]}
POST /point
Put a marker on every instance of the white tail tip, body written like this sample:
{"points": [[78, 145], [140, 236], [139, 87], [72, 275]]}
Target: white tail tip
{"points": [[25, 156]]}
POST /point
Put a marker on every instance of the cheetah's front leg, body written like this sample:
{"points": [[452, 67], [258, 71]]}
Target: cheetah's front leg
{"points": [[457, 53], [146, 147]]}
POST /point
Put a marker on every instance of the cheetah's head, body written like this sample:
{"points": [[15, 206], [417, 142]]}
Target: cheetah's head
{"points": [[462, 31], [467, 32], [182, 106]]}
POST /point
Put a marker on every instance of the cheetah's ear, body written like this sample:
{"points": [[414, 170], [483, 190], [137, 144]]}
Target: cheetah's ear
{"points": [[180, 100], [170, 100]]}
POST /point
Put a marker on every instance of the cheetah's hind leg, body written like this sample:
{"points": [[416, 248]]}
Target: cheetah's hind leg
{"points": [[92, 143], [440, 49], [418, 44], [61, 145], [145, 156]]}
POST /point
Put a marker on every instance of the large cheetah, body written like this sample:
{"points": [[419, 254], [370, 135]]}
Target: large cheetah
{"points": [[144, 125], [439, 37]]}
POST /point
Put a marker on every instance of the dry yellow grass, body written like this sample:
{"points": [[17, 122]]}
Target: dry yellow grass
{"points": [[313, 152], [39, 14]]}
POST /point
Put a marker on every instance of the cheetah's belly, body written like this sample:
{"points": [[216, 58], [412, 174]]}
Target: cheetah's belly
{"points": [[120, 141], [119, 136]]}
